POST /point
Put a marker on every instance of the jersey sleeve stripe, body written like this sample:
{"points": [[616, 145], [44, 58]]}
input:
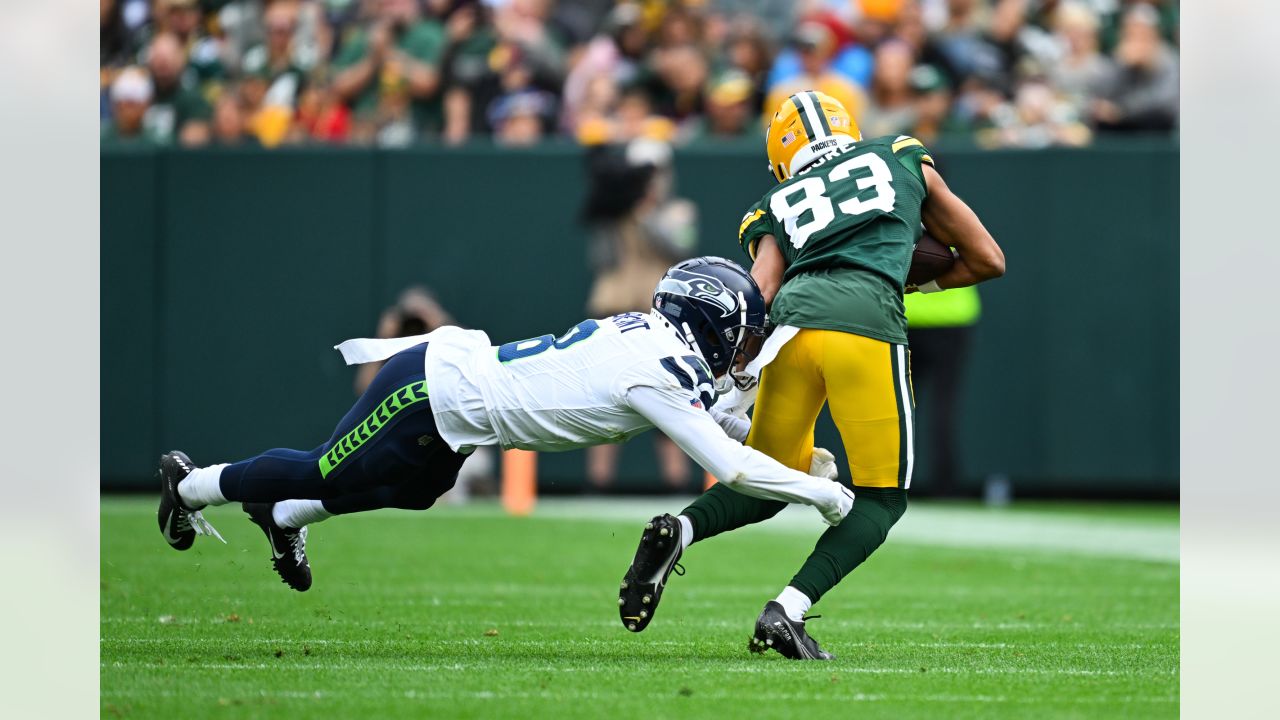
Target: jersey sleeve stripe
{"points": [[748, 221], [682, 376], [906, 142], [804, 118], [822, 116]]}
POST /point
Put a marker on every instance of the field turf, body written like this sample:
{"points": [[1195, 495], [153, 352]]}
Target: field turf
{"points": [[1035, 611]]}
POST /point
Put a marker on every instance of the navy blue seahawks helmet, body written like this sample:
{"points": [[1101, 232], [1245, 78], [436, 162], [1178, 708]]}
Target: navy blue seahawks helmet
{"points": [[718, 307]]}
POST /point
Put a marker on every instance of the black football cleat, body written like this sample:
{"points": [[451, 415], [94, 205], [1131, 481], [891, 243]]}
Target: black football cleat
{"points": [[641, 589], [179, 524], [775, 630], [288, 547]]}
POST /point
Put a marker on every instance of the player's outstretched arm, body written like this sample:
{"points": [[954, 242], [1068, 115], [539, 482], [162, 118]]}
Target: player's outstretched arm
{"points": [[954, 223], [748, 471]]}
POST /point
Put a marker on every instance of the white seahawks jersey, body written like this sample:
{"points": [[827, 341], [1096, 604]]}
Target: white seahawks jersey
{"points": [[603, 381], [558, 393]]}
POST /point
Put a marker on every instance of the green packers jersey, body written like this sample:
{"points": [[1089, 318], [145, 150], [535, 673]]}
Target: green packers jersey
{"points": [[846, 227]]}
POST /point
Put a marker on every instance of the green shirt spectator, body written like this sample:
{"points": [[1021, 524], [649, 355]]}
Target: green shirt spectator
{"points": [[177, 101], [130, 96], [393, 60]]}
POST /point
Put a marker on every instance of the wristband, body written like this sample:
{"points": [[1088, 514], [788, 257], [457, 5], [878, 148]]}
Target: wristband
{"points": [[929, 287]]}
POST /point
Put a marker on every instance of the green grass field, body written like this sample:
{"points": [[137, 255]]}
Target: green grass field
{"points": [[1037, 611]]}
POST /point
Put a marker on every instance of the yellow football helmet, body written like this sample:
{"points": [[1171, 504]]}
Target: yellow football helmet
{"points": [[806, 125]]}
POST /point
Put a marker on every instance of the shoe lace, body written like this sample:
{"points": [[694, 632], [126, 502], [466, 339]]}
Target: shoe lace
{"points": [[678, 569], [807, 618], [298, 541], [196, 521]]}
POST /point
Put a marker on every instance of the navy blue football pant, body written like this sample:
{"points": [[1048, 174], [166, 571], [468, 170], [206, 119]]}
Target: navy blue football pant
{"points": [[385, 453]]}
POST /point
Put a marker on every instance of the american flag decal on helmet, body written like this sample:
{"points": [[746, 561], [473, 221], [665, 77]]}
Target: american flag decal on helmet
{"points": [[788, 138]]}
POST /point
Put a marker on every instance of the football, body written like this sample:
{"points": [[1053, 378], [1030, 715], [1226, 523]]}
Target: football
{"points": [[929, 261]]}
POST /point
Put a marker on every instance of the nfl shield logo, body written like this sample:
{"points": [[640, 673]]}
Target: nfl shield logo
{"points": [[788, 139]]}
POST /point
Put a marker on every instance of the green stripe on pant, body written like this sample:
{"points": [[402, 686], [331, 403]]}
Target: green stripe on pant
{"points": [[348, 444]]}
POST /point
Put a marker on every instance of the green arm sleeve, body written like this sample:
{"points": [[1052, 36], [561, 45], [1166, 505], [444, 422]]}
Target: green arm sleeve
{"points": [[755, 224], [912, 154]]}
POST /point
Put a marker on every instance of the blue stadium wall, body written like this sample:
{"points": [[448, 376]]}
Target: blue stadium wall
{"points": [[227, 277]]}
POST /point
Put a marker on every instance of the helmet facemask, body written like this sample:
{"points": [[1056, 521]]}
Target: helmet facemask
{"points": [[745, 341]]}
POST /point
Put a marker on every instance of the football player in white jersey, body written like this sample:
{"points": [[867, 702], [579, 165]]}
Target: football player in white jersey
{"points": [[441, 395]]}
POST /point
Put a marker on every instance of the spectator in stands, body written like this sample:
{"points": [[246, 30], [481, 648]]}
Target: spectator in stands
{"points": [[229, 123], [521, 118], [730, 113], [963, 43], [1141, 92], [470, 82], [178, 111], [130, 97], [611, 60], [185, 20], [387, 72], [816, 44], [521, 26], [891, 108], [1036, 118], [632, 118], [648, 69], [321, 116], [932, 104], [275, 61], [747, 50], [637, 229], [117, 44], [848, 56], [680, 73], [1081, 72]]}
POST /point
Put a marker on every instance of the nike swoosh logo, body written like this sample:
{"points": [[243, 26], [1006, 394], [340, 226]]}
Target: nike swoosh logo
{"points": [[168, 531], [275, 555]]}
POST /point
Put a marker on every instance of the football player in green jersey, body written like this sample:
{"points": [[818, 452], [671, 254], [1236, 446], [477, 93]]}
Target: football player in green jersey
{"points": [[831, 246]]}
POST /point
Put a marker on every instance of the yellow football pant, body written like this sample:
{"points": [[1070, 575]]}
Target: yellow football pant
{"points": [[868, 384]]}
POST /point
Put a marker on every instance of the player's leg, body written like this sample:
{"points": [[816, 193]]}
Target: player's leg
{"points": [[375, 443], [388, 437], [286, 523], [792, 391], [790, 398], [870, 395]]}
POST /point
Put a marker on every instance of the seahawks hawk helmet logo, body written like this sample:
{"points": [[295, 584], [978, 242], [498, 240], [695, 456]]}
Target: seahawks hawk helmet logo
{"points": [[700, 287]]}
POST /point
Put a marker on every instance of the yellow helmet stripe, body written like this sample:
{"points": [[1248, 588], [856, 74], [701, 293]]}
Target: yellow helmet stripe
{"points": [[822, 115], [797, 100]]}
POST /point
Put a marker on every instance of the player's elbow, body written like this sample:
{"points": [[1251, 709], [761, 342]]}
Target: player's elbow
{"points": [[989, 265], [734, 478]]}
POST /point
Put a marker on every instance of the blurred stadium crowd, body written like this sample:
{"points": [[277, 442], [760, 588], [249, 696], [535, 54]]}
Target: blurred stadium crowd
{"points": [[1022, 73]]}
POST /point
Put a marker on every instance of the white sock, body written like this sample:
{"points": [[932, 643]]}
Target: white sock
{"points": [[203, 487], [299, 513], [686, 532], [794, 602]]}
